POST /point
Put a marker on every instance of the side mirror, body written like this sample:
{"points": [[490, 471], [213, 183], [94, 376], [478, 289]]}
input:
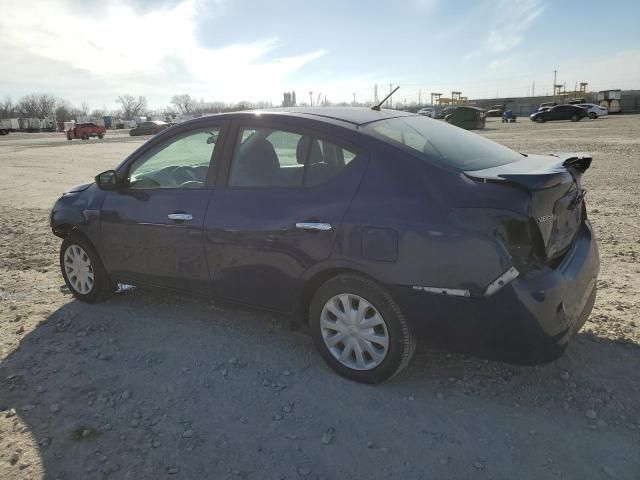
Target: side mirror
{"points": [[107, 180]]}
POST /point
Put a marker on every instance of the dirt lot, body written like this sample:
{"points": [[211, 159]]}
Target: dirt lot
{"points": [[149, 386]]}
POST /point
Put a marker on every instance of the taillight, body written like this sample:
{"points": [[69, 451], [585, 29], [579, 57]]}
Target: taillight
{"points": [[522, 241]]}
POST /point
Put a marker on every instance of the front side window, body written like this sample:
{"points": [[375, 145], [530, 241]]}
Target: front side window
{"points": [[265, 157], [181, 163], [441, 143]]}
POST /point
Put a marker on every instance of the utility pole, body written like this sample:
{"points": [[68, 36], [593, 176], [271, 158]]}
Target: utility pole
{"points": [[533, 89], [375, 95], [390, 99], [419, 97], [311, 99], [554, 85]]}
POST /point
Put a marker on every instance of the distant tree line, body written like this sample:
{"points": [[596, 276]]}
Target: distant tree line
{"points": [[45, 105]]}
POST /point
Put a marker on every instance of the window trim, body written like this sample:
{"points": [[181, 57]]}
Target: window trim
{"points": [[161, 143], [234, 132]]}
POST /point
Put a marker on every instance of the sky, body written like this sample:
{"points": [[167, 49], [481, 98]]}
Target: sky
{"points": [[240, 50]]}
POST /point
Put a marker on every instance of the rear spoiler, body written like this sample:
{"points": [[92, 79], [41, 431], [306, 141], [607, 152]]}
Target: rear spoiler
{"points": [[580, 163], [534, 172]]}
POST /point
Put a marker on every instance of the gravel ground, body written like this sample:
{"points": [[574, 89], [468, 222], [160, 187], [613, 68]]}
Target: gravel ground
{"points": [[149, 386]]}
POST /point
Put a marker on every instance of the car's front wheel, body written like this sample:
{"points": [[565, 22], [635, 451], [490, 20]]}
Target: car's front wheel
{"points": [[359, 329], [83, 271], [593, 115], [575, 117], [540, 119]]}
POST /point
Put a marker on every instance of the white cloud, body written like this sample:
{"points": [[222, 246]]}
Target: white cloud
{"points": [[117, 49], [510, 21]]}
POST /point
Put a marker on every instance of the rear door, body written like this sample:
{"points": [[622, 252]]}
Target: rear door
{"points": [[285, 193], [152, 228]]}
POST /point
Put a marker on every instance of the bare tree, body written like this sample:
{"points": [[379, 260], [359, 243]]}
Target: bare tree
{"points": [[63, 110], [7, 108], [84, 106], [183, 102], [131, 106], [37, 105]]}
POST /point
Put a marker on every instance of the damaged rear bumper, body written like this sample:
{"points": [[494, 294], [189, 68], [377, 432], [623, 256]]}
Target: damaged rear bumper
{"points": [[530, 320]]}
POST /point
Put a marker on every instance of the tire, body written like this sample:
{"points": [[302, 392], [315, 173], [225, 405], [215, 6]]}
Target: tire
{"points": [[69, 138], [85, 136], [593, 115], [539, 120], [357, 291], [575, 117], [100, 136], [80, 248]]}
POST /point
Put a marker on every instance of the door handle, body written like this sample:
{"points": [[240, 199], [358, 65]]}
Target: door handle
{"points": [[313, 226], [183, 217]]}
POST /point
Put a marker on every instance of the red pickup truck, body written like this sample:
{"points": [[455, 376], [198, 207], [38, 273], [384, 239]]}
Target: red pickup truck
{"points": [[86, 130]]}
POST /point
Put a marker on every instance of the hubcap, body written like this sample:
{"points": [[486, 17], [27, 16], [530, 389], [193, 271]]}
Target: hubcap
{"points": [[77, 266], [354, 332]]}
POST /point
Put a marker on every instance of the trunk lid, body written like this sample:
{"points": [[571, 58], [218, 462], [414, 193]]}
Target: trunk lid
{"points": [[556, 193]]}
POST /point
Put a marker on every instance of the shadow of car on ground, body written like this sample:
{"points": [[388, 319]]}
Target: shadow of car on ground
{"points": [[150, 386]]}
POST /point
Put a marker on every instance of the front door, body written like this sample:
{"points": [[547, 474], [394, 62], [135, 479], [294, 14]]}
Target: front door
{"points": [[278, 212], [152, 227]]}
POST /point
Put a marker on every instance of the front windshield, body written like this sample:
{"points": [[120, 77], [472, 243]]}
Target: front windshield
{"points": [[444, 144]]}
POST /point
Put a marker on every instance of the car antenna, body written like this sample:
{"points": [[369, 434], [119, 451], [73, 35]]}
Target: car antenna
{"points": [[377, 107]]}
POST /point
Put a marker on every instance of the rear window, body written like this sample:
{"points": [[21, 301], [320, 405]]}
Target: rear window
{"points": [[444, 144]]}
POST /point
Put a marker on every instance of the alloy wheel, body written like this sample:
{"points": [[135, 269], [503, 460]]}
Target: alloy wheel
{"points": [[77, 266], [354, 332]]}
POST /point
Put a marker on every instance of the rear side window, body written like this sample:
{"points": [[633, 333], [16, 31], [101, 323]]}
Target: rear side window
{"points": [[265, 157], [444, 144]]}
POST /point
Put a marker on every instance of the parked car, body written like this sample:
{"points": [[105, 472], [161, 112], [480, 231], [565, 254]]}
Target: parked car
{"points": [[149, 128], [509, 117], [495, 112], [85, 131], [559, 112], [469, 118], [373, 228], [446, 111], [427, 112], [594, 111]]}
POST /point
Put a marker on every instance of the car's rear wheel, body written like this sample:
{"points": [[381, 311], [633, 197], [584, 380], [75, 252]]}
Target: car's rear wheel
{"points": [[85, 136], [100, 136], [359, 329], [539, 119], [593, 115], [575, 117], [83, 271]]}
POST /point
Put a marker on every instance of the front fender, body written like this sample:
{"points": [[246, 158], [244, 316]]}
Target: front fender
{"points": [[79, 209]]}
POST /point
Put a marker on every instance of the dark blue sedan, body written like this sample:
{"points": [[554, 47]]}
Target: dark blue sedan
{"points": [[370, 228]]}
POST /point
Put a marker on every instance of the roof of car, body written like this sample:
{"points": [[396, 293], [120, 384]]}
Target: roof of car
{"points": [[354, 115], [347, 116]]}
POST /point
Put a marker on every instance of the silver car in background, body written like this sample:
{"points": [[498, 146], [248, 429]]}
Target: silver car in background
{"points": [[594, 111]]}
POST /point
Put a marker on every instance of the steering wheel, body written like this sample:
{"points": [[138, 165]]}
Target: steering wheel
{"points": [[182, 175]]}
